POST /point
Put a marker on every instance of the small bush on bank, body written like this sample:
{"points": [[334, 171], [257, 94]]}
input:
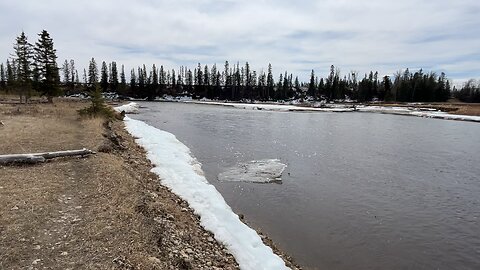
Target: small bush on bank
{"points": [[98, 108]]}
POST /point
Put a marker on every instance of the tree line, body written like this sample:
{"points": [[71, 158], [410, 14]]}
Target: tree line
{"points": [[34, 67], [470, 92], [235, 82]]}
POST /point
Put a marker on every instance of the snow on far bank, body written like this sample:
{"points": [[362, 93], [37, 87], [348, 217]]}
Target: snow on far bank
{"points": [[131, 107], [275, 107], [182, 173], [421, 112], [447, 116]]}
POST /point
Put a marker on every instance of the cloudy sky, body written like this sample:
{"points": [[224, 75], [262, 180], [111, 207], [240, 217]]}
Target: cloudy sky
{"points": [[297, 35]]}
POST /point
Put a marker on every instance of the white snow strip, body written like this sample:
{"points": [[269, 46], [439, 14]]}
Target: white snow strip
{"points": [[444, 115], [274, 107], [131, 107], [421, 112], [182, 173]]}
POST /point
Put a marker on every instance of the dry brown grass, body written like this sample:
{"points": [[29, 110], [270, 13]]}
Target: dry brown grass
{"points": [[102, 212]]}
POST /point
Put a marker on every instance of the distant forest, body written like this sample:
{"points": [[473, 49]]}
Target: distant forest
{"points": [[34, 68]]}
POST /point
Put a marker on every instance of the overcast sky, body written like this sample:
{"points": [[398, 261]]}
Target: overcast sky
{"points": [[297, 35]]}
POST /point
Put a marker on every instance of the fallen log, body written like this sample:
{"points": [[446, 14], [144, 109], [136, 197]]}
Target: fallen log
{"points": [[42, 157]]}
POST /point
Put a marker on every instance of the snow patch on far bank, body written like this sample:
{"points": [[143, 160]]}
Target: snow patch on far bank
{"points": [[181, 172], [421, 112], [276, 107], [131, 107]]}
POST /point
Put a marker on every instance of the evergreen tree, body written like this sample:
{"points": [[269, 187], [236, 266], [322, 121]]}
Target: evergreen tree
{"points": [[104, 77], [3, 77], [286, 86], [85, 80], [180, 81], [46, 66], [174, 82], [113, 82], [311, 85], [92, 75], [23, 58], [66, 73], [77, 80], [227, 89], [279, 93], [74, 74], [198, 81], [123, 82], [189, 81], [155, 85], [297, 85], [270, 83], [386, 93], [142, 81], [133, 82], [162, 81], [248, 82]]}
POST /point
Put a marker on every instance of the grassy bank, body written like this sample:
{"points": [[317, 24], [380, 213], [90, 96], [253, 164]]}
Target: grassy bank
{"points": [[106, 211]]}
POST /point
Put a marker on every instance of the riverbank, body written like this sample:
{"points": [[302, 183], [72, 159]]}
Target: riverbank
{"points": [[441, 111], [104, 212]]}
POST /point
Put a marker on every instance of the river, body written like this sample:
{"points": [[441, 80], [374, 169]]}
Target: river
{"points": [[360, 190]]}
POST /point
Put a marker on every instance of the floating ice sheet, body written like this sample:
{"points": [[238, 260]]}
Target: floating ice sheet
{"points": [[259, 171]]}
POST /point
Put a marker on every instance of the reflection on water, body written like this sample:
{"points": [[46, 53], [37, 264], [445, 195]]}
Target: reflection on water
{"points": [[360, 190]]}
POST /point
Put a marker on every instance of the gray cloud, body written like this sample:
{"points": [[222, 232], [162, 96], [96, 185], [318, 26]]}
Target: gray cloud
{"points": [[292, 35]]}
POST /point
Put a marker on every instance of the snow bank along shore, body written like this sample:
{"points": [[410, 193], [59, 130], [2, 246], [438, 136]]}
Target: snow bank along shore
{"points": [[182, 173]]}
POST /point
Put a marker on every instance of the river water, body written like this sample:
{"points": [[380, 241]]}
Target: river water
{"points": [[360, 190]]}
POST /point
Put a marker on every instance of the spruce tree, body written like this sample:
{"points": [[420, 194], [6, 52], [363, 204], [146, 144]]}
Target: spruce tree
{"points": [[123, 82], [74, 73], [3, 77], [155, 85], [104, 77], [66, 72], [46, 66], [10, 76], [113, 77], [312, 86], [23, 58], [92, 75], [297, 85], [270, 83], [133, 82]]}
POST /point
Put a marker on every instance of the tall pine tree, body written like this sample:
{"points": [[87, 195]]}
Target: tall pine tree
{"points": [[46, 66], [104, 77], [23, 58], [92, 79]]}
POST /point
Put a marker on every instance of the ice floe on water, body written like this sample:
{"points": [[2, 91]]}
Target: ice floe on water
{"points": [[182, 173], [258, 171]]}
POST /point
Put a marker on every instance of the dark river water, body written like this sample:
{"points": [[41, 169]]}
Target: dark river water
{"points": [[361, 190]]}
